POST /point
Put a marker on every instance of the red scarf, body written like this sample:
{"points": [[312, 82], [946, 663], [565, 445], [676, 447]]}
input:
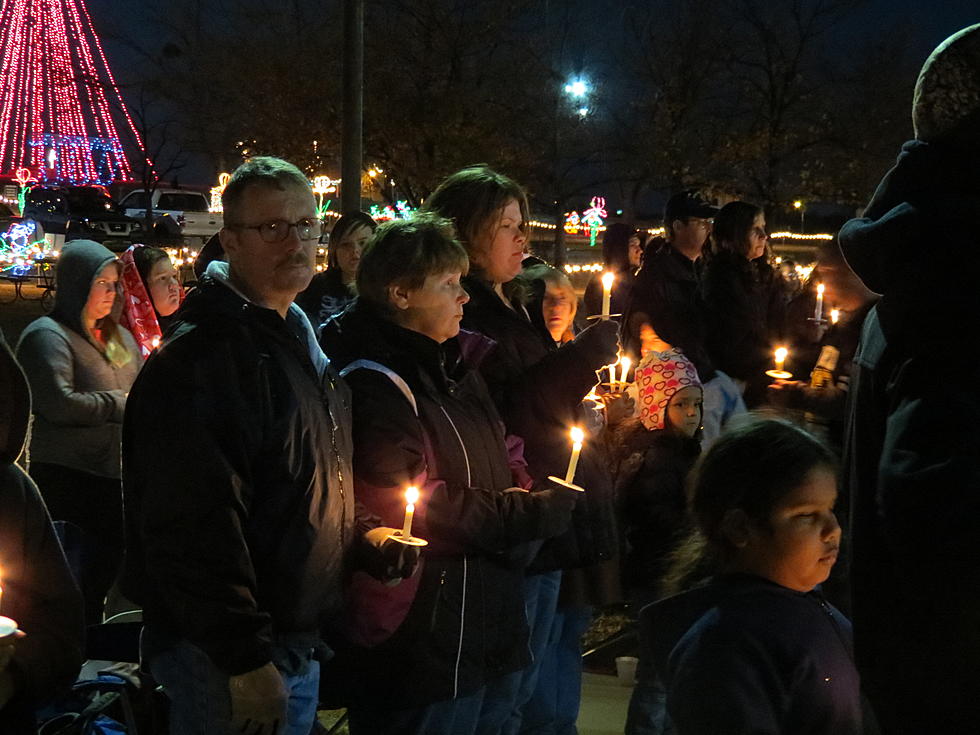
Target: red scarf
{"points": [[138, 314]]}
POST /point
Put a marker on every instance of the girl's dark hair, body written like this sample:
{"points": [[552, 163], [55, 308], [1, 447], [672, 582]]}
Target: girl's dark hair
{"points": [[732, 227], [406, 252], [616, 246], [346, 224], [751, 467], [473, 199], [145, 258]]}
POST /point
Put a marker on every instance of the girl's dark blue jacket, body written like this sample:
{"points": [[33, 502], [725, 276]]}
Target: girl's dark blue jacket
{"points": [[746, 655]]}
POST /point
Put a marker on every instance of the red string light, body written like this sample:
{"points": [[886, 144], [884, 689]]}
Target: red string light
{"points": [[59, 97]]}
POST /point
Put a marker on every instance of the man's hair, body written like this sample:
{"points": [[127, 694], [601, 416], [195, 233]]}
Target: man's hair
{"points": [[473, 199], [273, 173], [404, 252]]}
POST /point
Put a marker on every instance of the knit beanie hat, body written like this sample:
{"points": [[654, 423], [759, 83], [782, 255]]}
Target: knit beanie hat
{"points": [[947, 92], [658, 377]]}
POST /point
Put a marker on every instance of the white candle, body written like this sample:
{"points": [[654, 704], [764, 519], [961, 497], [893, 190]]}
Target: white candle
{"points": [[607, 281], [627, 364], [818, 309], [834, 316], [780, 355], [411, 498], [578, 436]]}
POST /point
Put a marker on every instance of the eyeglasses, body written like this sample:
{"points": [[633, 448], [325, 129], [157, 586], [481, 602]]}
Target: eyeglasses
{"points": [[277, 230], [700, 222]]}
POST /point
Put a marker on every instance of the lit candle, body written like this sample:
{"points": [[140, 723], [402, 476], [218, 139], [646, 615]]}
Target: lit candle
{"points": [[834, 316], [411, 498], [578, 436], [818, 309], [627, 364], [607, 281], [780, 355]]}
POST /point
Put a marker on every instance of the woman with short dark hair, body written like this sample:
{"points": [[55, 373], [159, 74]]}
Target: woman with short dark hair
{"points": [[422, 417]]}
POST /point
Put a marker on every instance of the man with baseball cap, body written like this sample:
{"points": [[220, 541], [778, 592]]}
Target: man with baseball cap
{"points": [[664, 309]]}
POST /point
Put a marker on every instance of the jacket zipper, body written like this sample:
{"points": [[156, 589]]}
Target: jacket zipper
{"points": [[462, 609], [435, 605]]}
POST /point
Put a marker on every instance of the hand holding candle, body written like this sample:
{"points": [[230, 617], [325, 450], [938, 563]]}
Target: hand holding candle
{"points": [[607, 281], [780, 356], [626, 364], [411, 498]]}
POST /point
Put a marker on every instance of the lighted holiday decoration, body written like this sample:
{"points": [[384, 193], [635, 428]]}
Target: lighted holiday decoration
{"points": [[323, 185], [23, 178], [401, 210], [572, 221], [22, 249], [217, 191], [58, 96], [594, 216]]}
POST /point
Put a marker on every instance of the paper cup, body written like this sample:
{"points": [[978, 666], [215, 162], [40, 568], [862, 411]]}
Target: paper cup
{"points": [[626, 670]]}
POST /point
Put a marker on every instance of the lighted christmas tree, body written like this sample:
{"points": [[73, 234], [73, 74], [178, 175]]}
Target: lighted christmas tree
{"points": [[58, 96]]}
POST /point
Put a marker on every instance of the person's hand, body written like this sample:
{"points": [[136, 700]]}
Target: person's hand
{"points": [[258, 701], [781, 391], [619, 406], [8, 644], [397, 561], [600, 341]]}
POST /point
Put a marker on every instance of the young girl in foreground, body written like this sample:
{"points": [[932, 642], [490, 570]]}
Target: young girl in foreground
{"points": [[758, 650]]}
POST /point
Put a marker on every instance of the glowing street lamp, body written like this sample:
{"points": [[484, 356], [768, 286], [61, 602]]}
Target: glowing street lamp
{"points": [[577, 88], [798, 204]]}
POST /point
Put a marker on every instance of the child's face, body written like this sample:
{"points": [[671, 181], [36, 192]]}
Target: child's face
{"points": [[684, 410], [800, 547]]}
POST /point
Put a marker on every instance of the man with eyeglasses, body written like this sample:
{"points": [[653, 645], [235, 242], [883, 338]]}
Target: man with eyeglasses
{"points": [[238, 485]]}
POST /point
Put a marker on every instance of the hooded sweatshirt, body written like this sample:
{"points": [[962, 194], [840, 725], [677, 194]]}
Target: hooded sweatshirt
{"points": [[79, 394], [38, 590]]}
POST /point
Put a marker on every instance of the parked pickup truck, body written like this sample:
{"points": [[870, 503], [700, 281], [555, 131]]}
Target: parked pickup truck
{"points": [[181, 208]]}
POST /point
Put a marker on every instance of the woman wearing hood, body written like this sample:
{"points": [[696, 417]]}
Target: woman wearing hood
{"points": [[151, 295], [80, 364]]}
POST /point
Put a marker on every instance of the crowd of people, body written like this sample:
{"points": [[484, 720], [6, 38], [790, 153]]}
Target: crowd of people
{"points": [[405, 485]]}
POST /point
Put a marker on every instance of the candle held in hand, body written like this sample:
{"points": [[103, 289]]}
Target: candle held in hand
{"points": [[818, 309], [626, 364], [607, 281], [780, 355], [578, 436], [411, 498]]}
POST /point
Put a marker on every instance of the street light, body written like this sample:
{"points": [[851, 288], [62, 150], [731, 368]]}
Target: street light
{"points": [[798, 204], [577, 88]]}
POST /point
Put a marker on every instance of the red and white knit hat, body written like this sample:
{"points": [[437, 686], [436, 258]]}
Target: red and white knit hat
{"points": [[658, 377]]}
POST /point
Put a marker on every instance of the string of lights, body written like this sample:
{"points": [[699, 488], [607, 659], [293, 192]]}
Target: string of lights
{"points": [[58, 96]]}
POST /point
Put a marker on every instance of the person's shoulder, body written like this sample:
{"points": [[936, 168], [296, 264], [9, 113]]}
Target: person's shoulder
{"points": [[43, 328]]}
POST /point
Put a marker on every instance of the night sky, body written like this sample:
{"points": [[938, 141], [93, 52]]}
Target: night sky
{"points": [[923, 22]]}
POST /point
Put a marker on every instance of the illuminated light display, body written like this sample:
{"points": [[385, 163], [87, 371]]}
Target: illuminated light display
{"points": [[572, 222], [401, 210], [58, 94], [21, 250], [594, 216], [216, 192]]}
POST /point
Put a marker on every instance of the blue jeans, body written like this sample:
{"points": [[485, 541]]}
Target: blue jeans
{"points": [[450, 717], [553, 707], [506, 697], [200, 703]]}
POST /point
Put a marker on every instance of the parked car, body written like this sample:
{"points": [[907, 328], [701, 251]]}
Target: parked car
{"points": [[181, 212], [82, 212]]}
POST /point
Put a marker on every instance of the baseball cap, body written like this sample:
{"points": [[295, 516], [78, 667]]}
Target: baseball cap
{"points": [[690, 203]]}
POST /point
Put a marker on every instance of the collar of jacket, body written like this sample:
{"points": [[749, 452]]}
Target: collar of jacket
{"points": [[675, 264], [214, 300]]}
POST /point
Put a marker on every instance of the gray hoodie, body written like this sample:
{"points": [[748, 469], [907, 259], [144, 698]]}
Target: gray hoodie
{"points": [[79, 396]]}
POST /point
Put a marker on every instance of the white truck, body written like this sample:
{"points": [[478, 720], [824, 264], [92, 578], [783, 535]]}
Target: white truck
{"points": [[185, 208]]}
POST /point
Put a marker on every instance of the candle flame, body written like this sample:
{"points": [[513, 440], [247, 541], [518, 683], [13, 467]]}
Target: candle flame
{"points": [[412, 495], [607, 280], [781, 353], [820, 288], [627, 364], [578, 436], [834, 316]]}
